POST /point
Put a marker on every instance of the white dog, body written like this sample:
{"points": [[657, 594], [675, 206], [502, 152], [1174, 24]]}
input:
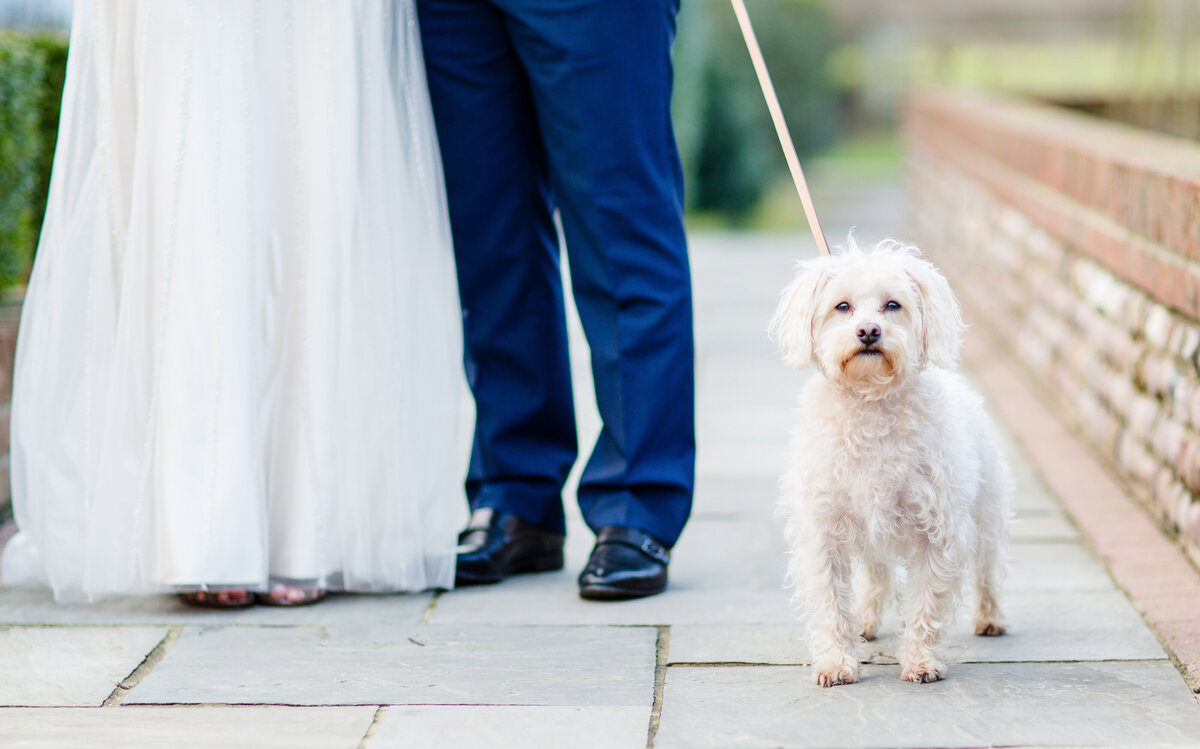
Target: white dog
{"points": [[893, 459]]}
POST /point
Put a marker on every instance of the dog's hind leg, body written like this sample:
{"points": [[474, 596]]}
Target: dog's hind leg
{"points": [[987, 617], [876, 584], [991, 526], [992, 521]]}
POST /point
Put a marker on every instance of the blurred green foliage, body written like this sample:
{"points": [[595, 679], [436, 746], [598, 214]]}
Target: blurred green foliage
{"points": [[22, 74], [32, 70], [727, 141], [53, 46]]}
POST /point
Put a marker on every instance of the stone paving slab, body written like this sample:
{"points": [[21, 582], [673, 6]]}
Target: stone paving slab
{"points": [[770, 644], [1098, 625], [1031, 495], [758, 427], [187, 728], [32, 606], [724, 490], [726, 569], [737, 552], [730, 554], [553, 599], [386, 663], [512, 727], [1044, 626], [741, 497], [756, 383], [544, 601], [1040, 565], [69, 666], [741, 460], [1042, 526], [740, 331], [1054, 704], [742, 364]]}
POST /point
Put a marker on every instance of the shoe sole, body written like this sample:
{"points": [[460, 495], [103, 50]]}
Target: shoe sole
{"points": [[540, 564], [613, 593]]}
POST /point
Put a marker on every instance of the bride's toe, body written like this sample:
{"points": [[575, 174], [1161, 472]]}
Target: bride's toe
{"points": [[283, 594]]}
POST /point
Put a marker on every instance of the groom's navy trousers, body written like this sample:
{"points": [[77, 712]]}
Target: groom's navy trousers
{"points": [[565, 104]]}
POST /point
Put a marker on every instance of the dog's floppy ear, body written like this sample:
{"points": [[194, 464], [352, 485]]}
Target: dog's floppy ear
{"points": [[792, 327], [941, 318]]}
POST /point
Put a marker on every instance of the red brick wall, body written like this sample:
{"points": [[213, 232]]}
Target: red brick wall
{"points": [[9, 318], [1075, 244]]}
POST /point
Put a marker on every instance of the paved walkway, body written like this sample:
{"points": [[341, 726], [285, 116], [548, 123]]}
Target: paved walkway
{"points": [[716, 661]]}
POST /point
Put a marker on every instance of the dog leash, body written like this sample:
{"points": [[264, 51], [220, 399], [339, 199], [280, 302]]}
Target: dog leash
{"points": [[781, 128]]}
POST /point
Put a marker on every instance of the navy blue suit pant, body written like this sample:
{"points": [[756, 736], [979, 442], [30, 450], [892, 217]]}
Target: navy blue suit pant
{"points": [[565, 104]]}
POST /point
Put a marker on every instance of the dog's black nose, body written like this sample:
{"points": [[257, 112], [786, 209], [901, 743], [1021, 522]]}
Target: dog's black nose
{"points": [[868, 333]]}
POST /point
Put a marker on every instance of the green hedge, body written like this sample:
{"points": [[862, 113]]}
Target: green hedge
{"points": [[727, 141], [53, 47], [22, 73], [32, 68]]}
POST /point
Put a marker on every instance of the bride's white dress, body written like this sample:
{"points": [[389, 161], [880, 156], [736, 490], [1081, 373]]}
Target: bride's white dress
{"points": [[239, 355]]}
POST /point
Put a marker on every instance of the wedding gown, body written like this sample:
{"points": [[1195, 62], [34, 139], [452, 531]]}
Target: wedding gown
{"points": [[240, 352]]}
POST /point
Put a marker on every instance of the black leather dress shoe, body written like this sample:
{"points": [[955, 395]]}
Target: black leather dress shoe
{"points": [[497, 544], [626, 563]]}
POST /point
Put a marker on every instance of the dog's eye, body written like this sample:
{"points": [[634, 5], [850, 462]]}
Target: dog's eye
{"points": [[892, 306], [843, 307]]}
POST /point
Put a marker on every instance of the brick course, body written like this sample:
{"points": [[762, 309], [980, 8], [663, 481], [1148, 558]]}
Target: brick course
{"points": [[1075, 244], [10, 315]]}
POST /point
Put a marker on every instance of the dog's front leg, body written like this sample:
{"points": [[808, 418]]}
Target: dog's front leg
{"points": [[828, 602], [934, 581]]}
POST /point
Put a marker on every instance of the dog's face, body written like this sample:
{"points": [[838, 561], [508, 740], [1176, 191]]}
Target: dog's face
{"points": [[868, 320]]}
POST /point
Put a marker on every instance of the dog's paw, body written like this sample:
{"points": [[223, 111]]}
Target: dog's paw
{"points": [[924, 672], [989, 628], [835, 673], [870, 628]]}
